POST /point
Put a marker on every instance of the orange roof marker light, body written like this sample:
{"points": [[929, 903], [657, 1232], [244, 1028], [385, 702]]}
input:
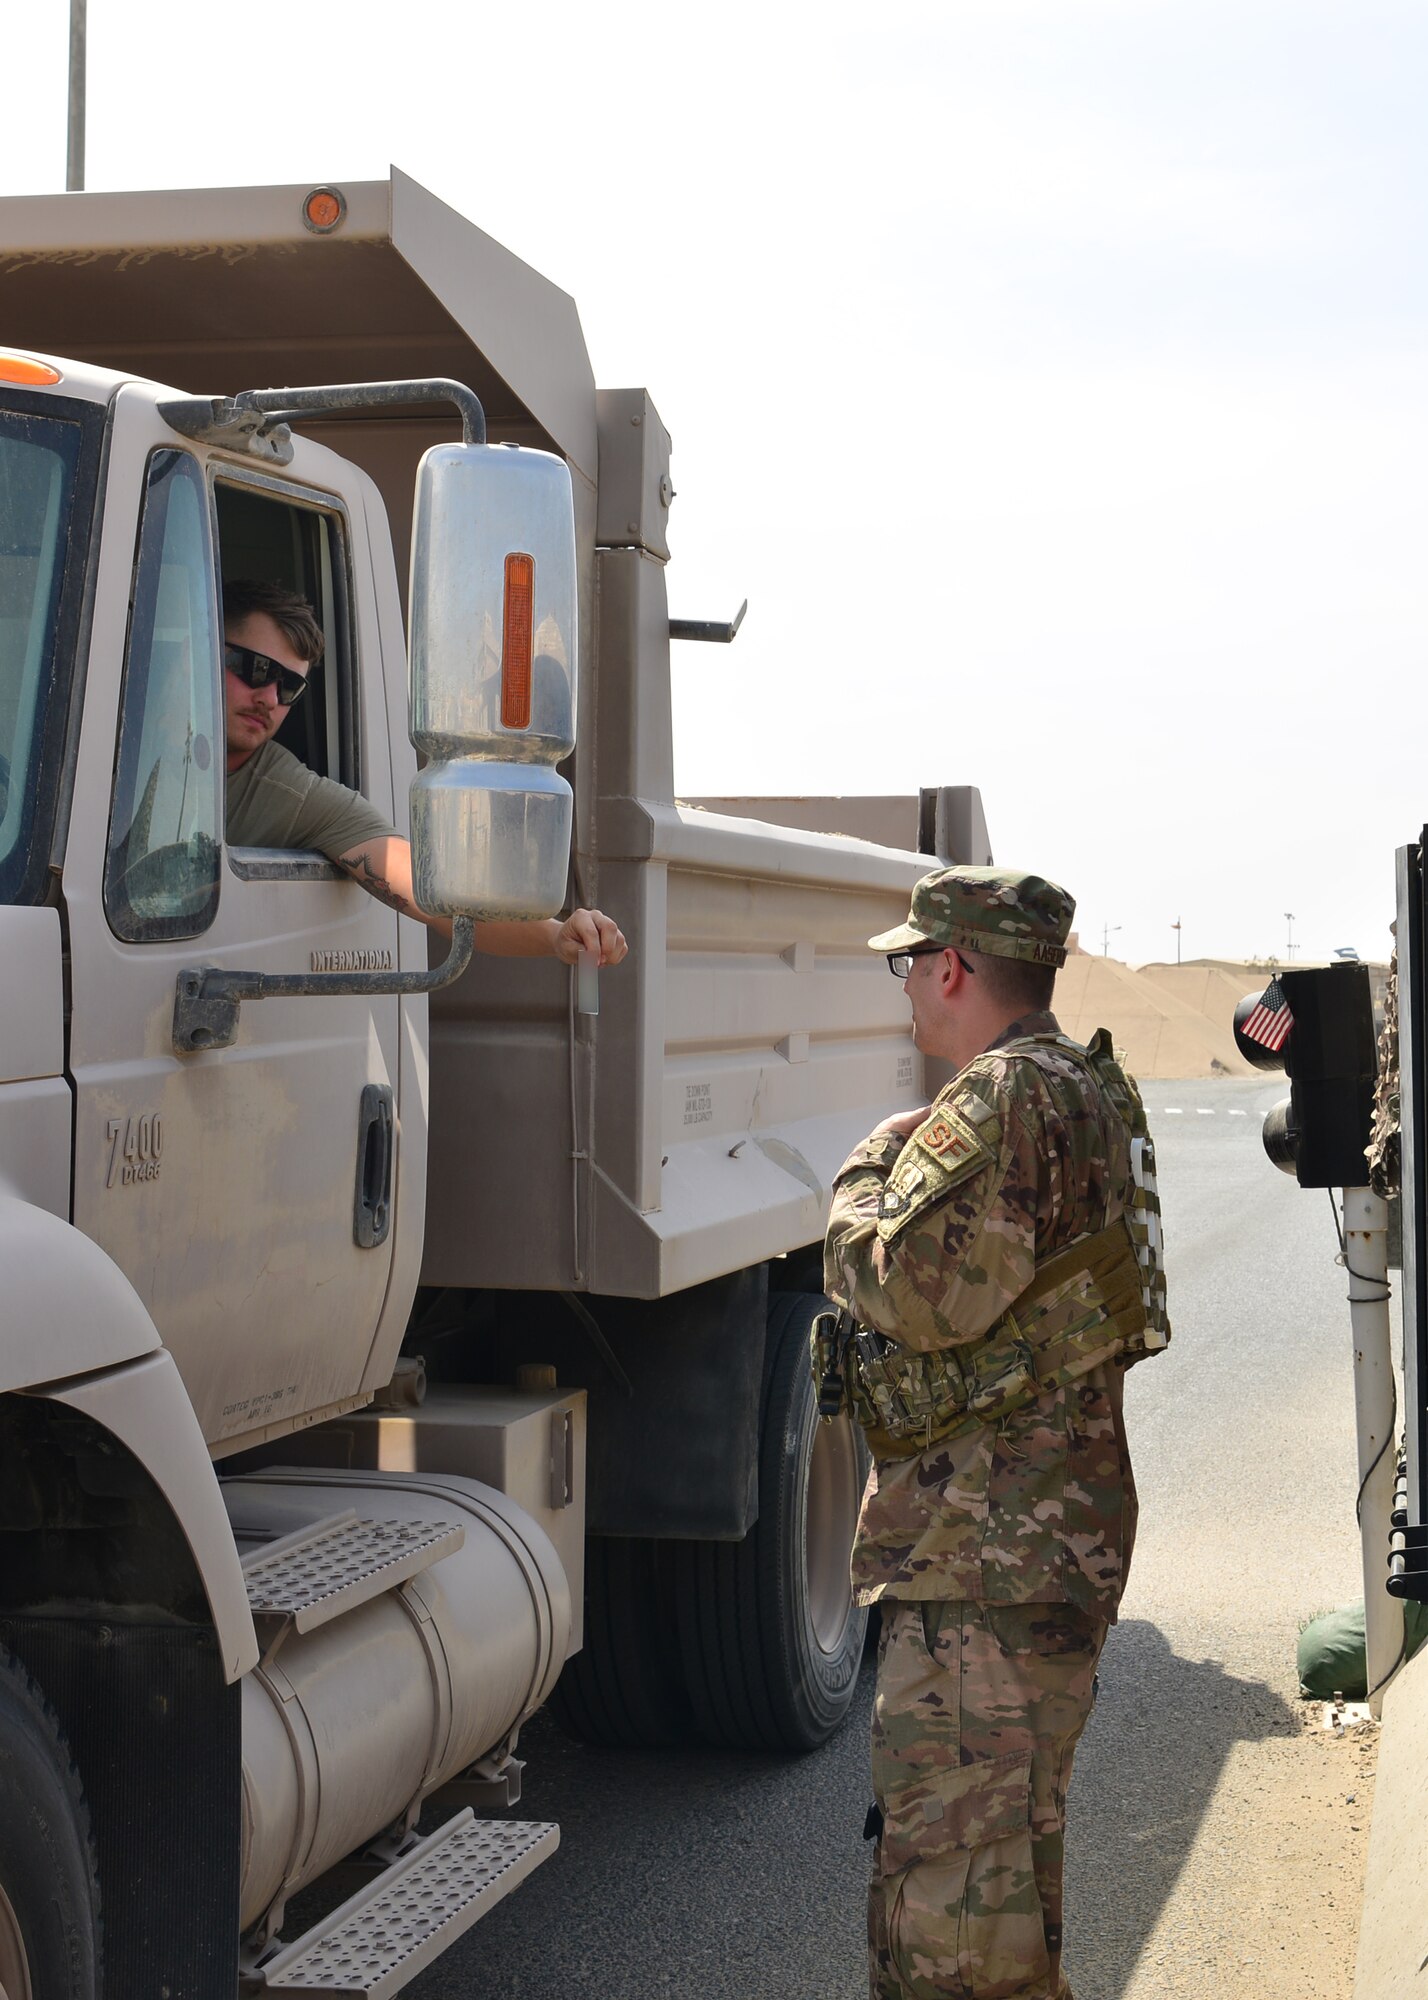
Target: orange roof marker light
{"points": [[29, 373], [323, 210], [517, 639]]}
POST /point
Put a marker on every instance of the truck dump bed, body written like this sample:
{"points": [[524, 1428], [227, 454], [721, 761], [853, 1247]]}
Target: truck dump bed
{"points": [[751, 1039], [741, 1052]]}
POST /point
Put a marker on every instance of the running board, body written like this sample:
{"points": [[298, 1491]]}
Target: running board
{"points": [[312, 1576], [393, 1929]]}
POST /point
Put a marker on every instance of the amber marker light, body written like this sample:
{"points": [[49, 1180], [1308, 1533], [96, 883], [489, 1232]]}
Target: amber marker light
{"points": [[516, 640], [33, 374], [323, 210]]}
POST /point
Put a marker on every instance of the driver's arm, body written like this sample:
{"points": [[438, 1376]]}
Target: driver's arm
{"points": [[383, 866]]}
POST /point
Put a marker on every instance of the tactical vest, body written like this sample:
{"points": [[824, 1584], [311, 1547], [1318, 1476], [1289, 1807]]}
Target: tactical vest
{"points": [[1100, 1299]]}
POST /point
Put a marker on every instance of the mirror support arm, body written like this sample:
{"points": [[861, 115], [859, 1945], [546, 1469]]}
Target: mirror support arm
{"points": [[208, 997], [257, 420]]}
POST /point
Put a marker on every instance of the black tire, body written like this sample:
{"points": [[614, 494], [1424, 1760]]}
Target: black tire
{"points": [[770, 1636], [626, 1685], [49, 1888]]}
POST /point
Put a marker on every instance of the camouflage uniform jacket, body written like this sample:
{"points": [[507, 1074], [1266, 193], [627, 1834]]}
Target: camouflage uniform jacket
{"points": [[1041, 1508]]}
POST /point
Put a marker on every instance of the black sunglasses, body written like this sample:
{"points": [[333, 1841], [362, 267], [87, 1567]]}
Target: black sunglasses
{"points": [[256, 670], [900, 962]]}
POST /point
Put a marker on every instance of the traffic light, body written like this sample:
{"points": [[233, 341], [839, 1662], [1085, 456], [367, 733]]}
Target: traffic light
{"points": [[1317, 1024]]}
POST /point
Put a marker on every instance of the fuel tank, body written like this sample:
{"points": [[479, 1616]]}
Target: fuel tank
{"points": [[410, 1622]]}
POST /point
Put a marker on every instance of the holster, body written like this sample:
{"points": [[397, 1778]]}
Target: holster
{"points": [[828, 1346]]}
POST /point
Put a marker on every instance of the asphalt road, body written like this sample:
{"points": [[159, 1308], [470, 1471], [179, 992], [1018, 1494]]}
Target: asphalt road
{"points": [[742, 1877]]}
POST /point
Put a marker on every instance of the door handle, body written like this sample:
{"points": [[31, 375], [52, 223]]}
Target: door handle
{"points": [[372, 1206]]}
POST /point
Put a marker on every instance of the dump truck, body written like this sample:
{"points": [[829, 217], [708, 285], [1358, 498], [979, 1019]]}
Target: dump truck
{"points": [[393, 1341]]}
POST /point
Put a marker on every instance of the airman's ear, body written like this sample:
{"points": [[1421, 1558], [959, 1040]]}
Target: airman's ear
{"points": [[953, 975]]}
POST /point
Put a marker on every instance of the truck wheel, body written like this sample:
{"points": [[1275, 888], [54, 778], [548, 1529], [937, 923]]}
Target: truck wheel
{"points": [[771, 1637], [49, 1891], [626, 1685]]}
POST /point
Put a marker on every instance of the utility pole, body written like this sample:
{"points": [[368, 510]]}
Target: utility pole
{"points": [[1176, 928], [1106, 935], [1289, 947], [74, 160]]}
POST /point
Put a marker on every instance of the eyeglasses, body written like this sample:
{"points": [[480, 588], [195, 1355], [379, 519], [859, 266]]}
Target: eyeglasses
{"points": [[900, 962], [256, 670]]}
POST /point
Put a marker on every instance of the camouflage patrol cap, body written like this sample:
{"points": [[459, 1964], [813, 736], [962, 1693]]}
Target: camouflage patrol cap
{"points": [[996, 910]]}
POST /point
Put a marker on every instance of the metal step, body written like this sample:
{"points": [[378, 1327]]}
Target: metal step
{"points": [[390, 1931], [320, 1572]]}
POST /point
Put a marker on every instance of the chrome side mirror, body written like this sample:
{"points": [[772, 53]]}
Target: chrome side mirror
{"points": [[493, 678]]}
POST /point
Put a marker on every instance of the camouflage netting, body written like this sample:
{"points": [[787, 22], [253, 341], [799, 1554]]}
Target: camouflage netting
{"points": [[1383, 1146]]}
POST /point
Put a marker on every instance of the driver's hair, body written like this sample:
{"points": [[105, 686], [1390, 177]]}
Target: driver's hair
{"points": [[293, 615]]}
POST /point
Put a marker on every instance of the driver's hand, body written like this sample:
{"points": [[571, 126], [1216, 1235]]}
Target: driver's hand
{"points": [[590, 930]]}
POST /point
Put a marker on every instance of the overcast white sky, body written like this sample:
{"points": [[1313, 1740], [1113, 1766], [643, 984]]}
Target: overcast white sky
{"points": [[1049, 374]]}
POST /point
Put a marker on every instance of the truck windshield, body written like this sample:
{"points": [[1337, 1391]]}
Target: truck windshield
{"points": [[40, 459]]}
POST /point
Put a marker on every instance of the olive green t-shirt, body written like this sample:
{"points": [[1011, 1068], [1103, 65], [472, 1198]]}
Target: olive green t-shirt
{"points": [[276, 801]]}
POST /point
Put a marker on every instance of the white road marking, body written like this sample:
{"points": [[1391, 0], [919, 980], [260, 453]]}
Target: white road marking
{"points": [[1203, 1111], [1239, 1114], [1173, 1111]]}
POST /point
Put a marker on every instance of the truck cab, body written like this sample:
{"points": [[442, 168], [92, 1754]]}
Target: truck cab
{"points": [[250, 1156]]}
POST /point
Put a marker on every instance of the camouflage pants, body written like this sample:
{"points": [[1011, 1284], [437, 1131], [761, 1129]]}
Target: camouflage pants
{"points": [[977, 1716]]}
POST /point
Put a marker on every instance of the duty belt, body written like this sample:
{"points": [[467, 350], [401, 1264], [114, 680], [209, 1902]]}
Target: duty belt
{"points": [[1083, 1307]]}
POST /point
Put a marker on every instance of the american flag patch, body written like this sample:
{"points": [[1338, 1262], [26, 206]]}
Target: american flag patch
{"points": [[1271, 1020]]}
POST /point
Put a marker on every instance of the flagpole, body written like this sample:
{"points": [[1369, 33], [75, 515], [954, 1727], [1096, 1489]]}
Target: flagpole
{"points": [[74, 159]]}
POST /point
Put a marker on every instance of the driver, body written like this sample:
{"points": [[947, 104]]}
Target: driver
{"points": [[271, 641]]}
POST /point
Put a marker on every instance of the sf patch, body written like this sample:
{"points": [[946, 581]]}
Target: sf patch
{"points": [[947, 1137], [945, 1150]]}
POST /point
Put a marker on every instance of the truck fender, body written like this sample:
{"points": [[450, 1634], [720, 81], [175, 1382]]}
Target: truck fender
{"points": [[69, 1309], [145, 1406], [78, 1333]]}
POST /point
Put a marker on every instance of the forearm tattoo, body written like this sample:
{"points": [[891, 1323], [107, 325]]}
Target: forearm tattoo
{"points": [[361, 868]]}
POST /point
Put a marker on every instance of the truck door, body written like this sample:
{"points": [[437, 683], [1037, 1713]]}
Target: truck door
{"points": [[239, 1189]]}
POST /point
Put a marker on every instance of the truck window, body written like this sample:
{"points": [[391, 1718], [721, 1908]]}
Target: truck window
{"points": [[38, 458], [161, 869], [273, 538]]}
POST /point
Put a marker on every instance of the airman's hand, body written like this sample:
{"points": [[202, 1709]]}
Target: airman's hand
{"points": [[902, 1123]]}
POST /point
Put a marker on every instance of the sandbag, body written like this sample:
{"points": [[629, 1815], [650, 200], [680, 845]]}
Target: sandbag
{"points": [[1331, 1650]]}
